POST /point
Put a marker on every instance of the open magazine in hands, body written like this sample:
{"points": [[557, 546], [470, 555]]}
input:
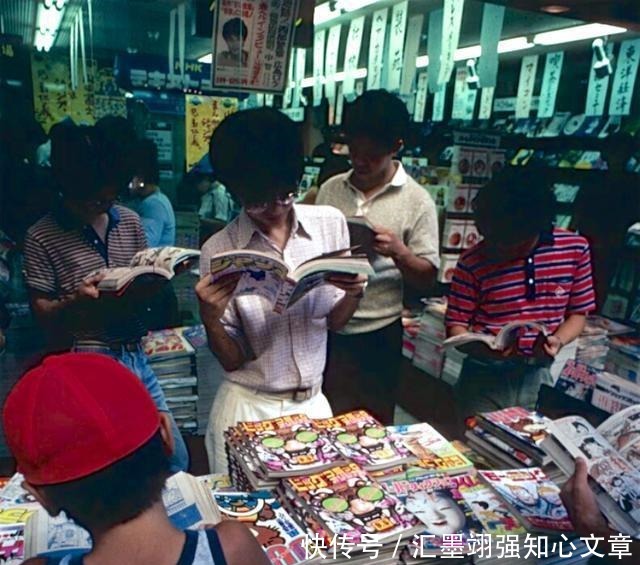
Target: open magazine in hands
{"points": [[612, 455], [504, 339]]}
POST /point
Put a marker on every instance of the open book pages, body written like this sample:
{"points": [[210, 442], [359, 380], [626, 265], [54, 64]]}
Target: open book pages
{"points": [[503, 339], [617, 481], [160, 261], [267, 276], [362, 233]]}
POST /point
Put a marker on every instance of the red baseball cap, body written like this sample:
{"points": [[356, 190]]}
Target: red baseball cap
{"points": [[75, 414]]}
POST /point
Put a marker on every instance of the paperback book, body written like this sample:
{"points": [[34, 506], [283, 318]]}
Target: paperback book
{"points": [[503, 339], [266, 276]]}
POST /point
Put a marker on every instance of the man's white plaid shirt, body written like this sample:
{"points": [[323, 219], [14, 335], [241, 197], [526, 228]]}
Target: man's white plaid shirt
{"points": [[289, 349]]}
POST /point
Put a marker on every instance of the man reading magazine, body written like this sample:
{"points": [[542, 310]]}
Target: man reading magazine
{"points": [[273, 362], [523, 270]]}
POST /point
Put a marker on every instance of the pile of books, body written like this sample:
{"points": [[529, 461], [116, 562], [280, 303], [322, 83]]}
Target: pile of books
{"points": [[172, 358], [428, 355], [261, 453], [510, 438]]}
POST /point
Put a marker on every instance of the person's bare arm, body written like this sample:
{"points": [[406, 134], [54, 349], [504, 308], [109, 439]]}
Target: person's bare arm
{"points": [[214, 298], [239, 545], [342, 312], [567, 331]]}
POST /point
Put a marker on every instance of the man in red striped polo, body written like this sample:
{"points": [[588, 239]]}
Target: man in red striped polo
{"points": [[524, 270]]}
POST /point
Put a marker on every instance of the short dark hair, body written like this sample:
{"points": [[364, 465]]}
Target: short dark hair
{"points": [[85, 160], [118, 493], [235, 27], [257, 154], [146, 161], [377, 115], [514, 205]]}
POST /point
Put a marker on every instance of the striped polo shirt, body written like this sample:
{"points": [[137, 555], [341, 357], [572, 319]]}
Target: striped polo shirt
{"points": [[58, 255], [549, 284]]}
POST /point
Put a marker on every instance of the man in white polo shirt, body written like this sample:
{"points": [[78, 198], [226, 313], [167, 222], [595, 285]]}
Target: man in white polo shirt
{"points": [[363, 365]]}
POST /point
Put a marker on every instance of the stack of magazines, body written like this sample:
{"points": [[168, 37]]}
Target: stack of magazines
{"points": [[510, 438], [173, 360], [623, 357]]}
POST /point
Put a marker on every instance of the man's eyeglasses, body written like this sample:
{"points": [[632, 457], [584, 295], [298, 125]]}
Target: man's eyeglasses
{"points": [[283, 200]]}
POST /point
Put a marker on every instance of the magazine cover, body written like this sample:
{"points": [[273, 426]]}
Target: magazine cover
{"points": [[438, 503], [12, 544], [577, 379], [289, 444], [349, 503], [490, 509], [432, 450], [165, 343], [534, 498], [361, 438], [524, 425], [272, 526]]}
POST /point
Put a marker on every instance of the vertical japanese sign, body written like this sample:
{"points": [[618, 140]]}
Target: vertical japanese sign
{"points": [[352, 55], [464, 98], [550, 83], [252, 44], [414, 34], [434, 44], [319, 39], [203, 114], [527, 81], [625, 78], [331, 64], [451, 20], [438, 104], [288, 91], [339, 105], [486, 103], [598, 87], [376, 49], [492, 19], [421, 97], [298, 75], [396, 45]]}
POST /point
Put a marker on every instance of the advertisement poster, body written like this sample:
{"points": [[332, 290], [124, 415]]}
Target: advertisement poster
{"points": [[203, 115], [252, 44]]}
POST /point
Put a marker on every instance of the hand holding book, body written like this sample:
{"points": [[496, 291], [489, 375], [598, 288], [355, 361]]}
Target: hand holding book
{"points": [[214, 296]]}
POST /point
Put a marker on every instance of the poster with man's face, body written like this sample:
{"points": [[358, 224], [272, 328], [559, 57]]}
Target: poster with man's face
{"points": [[251, 44]]}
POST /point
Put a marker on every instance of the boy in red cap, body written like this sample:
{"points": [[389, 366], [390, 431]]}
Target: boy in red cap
{"points": [[89, 440]]}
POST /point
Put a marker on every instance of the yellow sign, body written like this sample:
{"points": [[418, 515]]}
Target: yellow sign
{"points": [[203, 115], [16, 515]]}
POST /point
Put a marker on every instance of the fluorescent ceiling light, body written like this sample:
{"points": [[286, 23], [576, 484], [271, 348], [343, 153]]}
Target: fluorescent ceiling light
{"points": [[208, 58], [576, 33], [331, 10], [48, 19]]}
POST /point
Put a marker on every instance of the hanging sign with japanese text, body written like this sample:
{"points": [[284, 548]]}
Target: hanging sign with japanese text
{"points": [[352, 55], [376, 49], [598, 87], [492, 19], [625, 78], [288, 91], [395, 56], [464, 98], [486, 103], [318, 65], [421, 97], [203, 114], [298, 75], [434, 43], [526, 83], [414, 34], [438, 104], [550, 82], [252, 44], [451, 20], [331, 64], [339, 105]]}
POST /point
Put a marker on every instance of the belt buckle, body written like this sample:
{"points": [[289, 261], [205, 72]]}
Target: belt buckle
{"points": [[302, 394]]}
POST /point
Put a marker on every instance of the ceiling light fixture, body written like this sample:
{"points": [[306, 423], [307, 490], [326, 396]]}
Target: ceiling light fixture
{"points": [[48, 19], [576, 33], [331, 10], [555, 9]]}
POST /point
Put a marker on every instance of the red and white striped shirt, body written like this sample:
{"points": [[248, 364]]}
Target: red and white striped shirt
{"points": [[552, 282]]}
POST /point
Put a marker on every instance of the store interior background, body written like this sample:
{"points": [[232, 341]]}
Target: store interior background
{"points": [[133, 29]]}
